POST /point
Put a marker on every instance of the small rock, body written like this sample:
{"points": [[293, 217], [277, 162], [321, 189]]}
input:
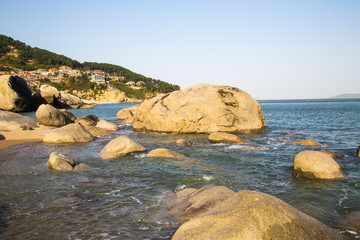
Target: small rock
{"points": [[165, 153], [126, 114], [107, 125], [81, 167], [316, 165], [307, 142], [49, 116], [60, 162], [220, 137], [183, 142], [120, 146], [2, 137], [358, 152], [87, 106]]}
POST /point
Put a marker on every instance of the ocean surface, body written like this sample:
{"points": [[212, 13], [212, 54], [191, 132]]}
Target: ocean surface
{"points": [[128, 197]]}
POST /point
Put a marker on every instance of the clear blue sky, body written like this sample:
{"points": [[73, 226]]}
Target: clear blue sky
{"points": [[271, 49]]}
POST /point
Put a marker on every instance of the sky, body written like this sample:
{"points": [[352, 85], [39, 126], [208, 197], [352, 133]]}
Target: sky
{"points": [[271, 49]]}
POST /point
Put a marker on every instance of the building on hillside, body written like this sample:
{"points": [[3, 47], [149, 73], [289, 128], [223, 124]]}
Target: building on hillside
{"points": [[140, 83], [130, 83], [98, 79]]}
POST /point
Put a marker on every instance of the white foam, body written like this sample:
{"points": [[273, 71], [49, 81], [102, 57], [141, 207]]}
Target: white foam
{"points": [[140, 155], [181, 187], [207, 178], [136, 200]]}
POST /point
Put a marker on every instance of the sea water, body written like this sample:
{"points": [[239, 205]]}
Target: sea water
{"points": [[128, 197]]}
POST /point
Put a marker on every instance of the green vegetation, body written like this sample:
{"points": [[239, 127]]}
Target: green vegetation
{"points": [[16, 55]]}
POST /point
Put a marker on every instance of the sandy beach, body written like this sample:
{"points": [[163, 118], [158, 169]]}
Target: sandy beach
{"points": [[16, 137]]}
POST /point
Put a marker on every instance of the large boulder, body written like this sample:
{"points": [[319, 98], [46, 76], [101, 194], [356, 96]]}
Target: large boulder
{"points": [[70, 133], [107, 125], [70, 101], [26, 122], [50, 116], [120, 146], [220, 137], [253, 215], [165, 153], [68, 114], [46, 95], [201, 109], [15, 94], [316, 165], [192, 202]]}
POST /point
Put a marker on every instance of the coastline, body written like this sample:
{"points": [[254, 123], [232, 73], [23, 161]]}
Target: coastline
{"points": [[17, 137]]}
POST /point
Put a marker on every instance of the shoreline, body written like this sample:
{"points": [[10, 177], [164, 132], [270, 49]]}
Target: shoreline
{"points": [[17, 137]]}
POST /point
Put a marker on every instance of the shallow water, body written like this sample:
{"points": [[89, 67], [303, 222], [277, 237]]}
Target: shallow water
{"points": [[128, 197]]}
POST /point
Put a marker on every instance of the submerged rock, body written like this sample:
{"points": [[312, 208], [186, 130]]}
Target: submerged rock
{"points": [[316, 165], [50, 116], [250, 215], [307, 142], [15, 94], [120, 146], [201, 109], [183, 142], [107, 125], [70, 133], [60, 162], [165, 153], [220, 137], [353, 218]]}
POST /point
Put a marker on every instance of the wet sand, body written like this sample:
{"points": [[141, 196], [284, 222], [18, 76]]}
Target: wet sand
{"points": [[9, 138]]}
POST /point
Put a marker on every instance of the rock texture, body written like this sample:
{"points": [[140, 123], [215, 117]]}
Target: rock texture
{"points": [[127, 114], [50, 116], [90, 120], [120, 146], [307, 142], [26, 122], [252, 215], [220, 137], [68, 114], [165, 153], [331, 154], [107, 125], [60, 162], [70, 133], [316, 165], [183, 142], [15, 94], [68, 100], [97, 132], [201, 109]]}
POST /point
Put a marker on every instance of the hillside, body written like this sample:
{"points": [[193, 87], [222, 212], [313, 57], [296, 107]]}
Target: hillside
{"points": [[18, 57]]}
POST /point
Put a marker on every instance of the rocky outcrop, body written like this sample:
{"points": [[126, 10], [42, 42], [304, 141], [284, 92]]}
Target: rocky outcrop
{"points": [[50, 116], [316, 165], [127, 114], [183, 142], [248, 215], [60, 162], [23, 122], [15, 94], [165, 153], [201, 109], [120, 146], [70, 133], [90, 120], [107, 125], [306, 142], [220, 137]]}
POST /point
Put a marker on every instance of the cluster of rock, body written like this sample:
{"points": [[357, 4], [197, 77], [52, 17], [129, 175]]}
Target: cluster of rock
{"points": [[15, 96], [214, 212], [60, 162]]}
